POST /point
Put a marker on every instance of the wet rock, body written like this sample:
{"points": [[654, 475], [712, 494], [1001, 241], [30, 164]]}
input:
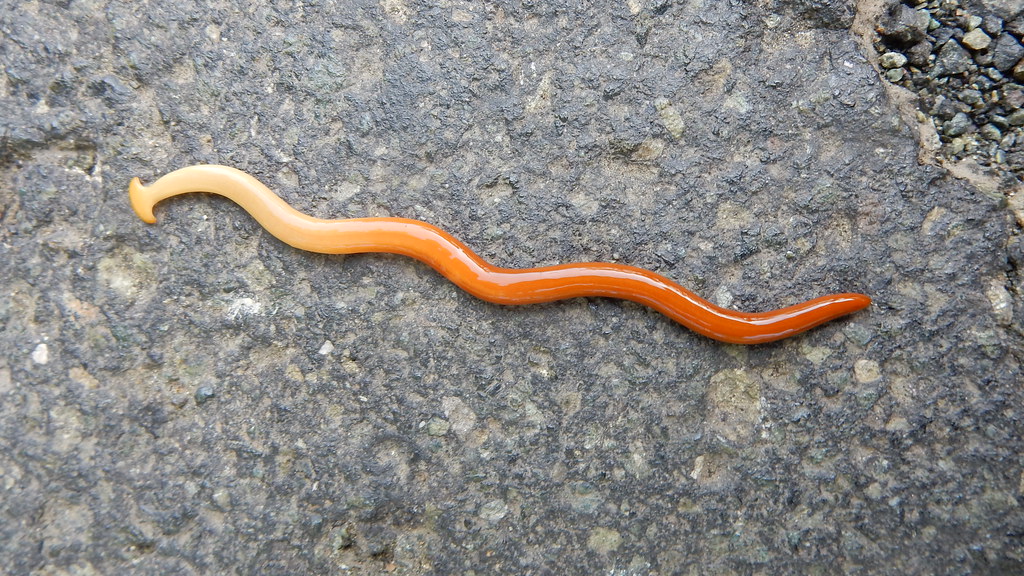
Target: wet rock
{"points": [[834, 15], [894, 75], [1013, 97], [976, 39], [204, 394], [952, 59], [1015, 27], [1006, 52], [942, 35], [918, 54], [970, 97], [992, 24], [958, 125], [891, 60], [903, 25], [1007, 9], [990, 132], [1000, 122], [946, 108], [112, 90]]}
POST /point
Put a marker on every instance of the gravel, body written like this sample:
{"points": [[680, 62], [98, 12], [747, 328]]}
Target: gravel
{"points": [[966, 66]]}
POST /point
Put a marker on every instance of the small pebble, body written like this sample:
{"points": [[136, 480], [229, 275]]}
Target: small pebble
{"points": [[958, 125], [942, 35], [1013, 97], [957, 145], [1006, 52], [919, 53], [670, 117], [1016, 27], [904, 25], [992, 24], [891, 60], [894, 75], [944, 108], [1016, 118], [952, 59], [971, 97], [976, 39], [204, 393], [990, 132], [438, 427], [999, 121]]}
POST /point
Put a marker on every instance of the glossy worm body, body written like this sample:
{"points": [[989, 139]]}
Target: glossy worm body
{"points": [[453, 259]]}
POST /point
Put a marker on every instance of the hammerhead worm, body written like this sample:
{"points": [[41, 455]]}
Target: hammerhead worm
{"points": [[455, 261]]}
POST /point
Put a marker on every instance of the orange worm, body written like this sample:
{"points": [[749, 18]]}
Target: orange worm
{"points": [[453, 259]]}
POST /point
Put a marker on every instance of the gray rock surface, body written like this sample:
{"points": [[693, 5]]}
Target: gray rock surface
{"points": [[903, 24], [1007, 52], [952, 59], [196, 397]]}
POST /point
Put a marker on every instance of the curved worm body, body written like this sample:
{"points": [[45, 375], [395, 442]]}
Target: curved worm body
{"points": [[453, 259]]}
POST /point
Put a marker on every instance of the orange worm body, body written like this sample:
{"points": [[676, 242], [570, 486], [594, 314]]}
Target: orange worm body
{"points": [[453, 259]]}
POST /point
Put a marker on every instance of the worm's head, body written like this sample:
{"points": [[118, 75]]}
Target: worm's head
{"points": [[141, 201]]}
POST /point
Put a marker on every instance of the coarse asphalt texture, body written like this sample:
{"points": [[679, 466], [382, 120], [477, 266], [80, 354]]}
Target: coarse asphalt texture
{"points": [[196, 397]]}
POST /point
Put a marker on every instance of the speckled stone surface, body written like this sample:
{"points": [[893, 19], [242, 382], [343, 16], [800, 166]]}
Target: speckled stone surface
{"points": [[195, 397]]}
